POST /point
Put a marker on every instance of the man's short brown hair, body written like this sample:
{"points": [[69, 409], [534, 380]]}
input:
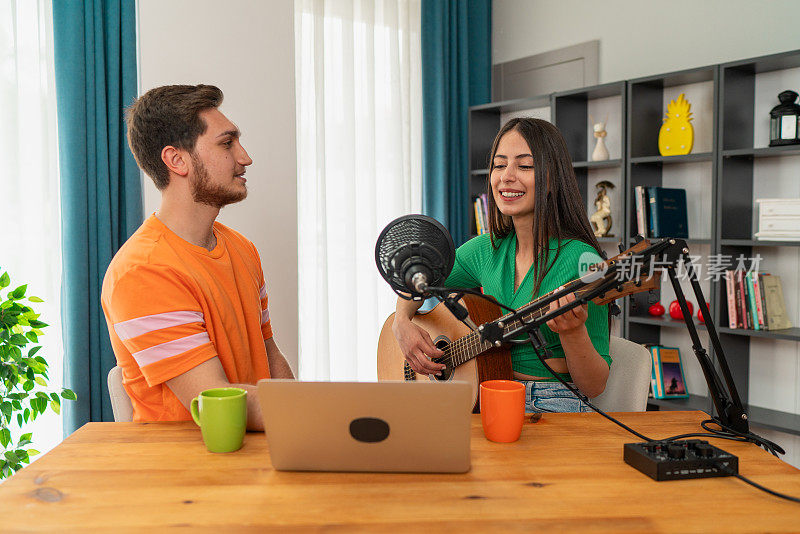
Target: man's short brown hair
{"points": [[167, 116]]}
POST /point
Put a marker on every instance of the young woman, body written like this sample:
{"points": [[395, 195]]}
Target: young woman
{"points": [[539, 234]]}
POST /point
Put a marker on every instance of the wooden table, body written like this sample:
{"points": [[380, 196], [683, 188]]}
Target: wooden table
{"points": [[565, 473]]}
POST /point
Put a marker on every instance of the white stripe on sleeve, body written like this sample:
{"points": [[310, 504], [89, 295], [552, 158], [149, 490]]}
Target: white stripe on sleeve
{"points": [[150, 323], [264, 315], [170, 348], [263, 292]]}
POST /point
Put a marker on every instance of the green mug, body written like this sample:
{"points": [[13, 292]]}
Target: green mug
{"points": [[221, 414]]}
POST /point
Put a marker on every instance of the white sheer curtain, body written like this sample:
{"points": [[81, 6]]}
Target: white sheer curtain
{"points": [[359, 143], [30, 237]]}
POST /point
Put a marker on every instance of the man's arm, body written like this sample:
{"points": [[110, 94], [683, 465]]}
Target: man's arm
{"points": [[278, 366], [208, 375]]}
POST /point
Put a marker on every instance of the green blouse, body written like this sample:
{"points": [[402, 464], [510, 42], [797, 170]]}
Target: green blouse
{"points": [[478, 264]]}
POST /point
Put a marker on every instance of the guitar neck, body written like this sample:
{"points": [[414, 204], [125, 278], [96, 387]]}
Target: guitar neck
{"points": [[468, 347]]}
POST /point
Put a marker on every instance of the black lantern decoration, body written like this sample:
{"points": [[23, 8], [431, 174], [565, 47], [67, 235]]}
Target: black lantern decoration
{"points": [[784, 128]]}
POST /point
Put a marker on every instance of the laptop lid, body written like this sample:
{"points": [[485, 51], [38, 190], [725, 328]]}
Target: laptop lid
{"points": [[367, 426]]}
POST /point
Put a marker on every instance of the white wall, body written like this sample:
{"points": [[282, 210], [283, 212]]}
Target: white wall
{"points": [[246, 49], [643, 37]]}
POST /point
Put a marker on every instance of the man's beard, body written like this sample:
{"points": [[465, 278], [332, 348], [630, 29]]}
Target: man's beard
{"points": [[204, 192]]}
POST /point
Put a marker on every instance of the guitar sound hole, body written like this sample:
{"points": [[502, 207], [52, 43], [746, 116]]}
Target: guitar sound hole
{"points": [[447, 372]]}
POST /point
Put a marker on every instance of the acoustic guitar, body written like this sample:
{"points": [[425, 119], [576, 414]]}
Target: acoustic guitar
{"points": [[466, 356]]}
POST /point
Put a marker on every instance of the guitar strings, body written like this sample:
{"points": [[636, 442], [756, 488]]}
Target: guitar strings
{"points": [[459, 351]]}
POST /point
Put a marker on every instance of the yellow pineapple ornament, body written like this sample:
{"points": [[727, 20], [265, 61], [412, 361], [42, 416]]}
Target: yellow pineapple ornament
{"points": [[676, 136]]}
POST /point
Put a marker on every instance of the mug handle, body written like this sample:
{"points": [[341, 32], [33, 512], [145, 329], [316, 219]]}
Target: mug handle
{"points": [[193, 408]]}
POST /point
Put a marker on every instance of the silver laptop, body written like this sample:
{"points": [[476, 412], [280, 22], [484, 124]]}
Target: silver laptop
{"points": [[367, 426]]}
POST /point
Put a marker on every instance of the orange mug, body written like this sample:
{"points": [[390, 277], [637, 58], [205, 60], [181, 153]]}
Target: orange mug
{"points": [[502, 409]]}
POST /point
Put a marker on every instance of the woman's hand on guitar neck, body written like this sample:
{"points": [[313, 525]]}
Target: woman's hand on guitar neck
{"points": [[416, 346], [570, 322]]}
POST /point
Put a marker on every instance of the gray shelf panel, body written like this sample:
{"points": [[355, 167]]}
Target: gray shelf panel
{"points": [[688, 158], [773, 419], [766, 152], [684, 77], [597, 91], [519, 104], [597, 164], [690, 241], [693, 402], [479, 172], [664, 321], [790, 334], [781, 61], [757, 243]]}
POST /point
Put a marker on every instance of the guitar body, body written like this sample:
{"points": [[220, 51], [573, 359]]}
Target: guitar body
{"points": [[494, 364]]}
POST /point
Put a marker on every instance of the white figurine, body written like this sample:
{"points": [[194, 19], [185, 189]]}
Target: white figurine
{"points": [[601, 219], [600, 151]]}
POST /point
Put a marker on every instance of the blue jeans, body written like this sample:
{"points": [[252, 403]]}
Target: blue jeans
{"points": [[551, 397]]}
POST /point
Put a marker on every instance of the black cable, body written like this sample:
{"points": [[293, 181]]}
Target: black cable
{"points": [[723, 432], [580, 395], [756, 484]]}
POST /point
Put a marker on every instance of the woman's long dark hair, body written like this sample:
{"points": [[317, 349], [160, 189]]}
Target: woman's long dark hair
{"points": [[559, 210]]}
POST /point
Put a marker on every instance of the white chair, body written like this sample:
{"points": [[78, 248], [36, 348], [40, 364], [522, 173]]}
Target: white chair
{"points": [[629, 379], [120, 402]]}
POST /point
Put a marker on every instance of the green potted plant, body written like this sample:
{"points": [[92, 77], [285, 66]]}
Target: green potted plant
{"points": [[23, 376]]}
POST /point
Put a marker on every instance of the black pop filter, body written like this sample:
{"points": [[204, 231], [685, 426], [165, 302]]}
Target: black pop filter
{"points": [[413, 252]]}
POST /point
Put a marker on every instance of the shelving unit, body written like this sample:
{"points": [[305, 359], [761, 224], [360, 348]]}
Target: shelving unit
{"points": [[729, 167], [750, 169]]}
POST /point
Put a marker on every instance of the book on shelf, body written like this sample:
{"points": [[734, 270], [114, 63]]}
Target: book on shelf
{"points": [[661, 212], [751, 300], [476, 205], [755, 301], [775, 305], [480, 206], [729, 292], [667, 376], [754, 278], [668, 213], [641, 211]]}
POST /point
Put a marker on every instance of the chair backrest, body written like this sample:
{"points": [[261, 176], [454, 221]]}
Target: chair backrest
{"points": [[120, 402], [629, 379]]}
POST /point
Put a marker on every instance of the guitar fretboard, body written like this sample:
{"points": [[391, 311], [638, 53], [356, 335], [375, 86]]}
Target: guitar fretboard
{"points": [[465, 348]]}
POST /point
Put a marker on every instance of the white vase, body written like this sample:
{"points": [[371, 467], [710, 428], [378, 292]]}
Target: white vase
{"points": [[600, 151]]}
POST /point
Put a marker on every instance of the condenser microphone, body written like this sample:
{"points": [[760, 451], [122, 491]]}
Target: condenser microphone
{"points": [[414, 252]]}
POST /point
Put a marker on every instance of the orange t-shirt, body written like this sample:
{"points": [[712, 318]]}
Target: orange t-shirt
{"points": [[171, 305]]}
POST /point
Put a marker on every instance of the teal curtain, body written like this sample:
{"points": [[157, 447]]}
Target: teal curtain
{"points": [[101, 198], [456, 74]]}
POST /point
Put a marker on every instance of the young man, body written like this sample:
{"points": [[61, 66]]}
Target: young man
{"points": [[185, 298]]}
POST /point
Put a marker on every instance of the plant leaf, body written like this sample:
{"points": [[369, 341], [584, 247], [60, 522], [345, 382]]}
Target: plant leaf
{"points": [[19, 292], [69, 394], [5, 437], [56, 407], [11, 456], [35, 299], [33, 351], [33, 452], [7, 410], [4, 280], [41, 381], [19, 339]]}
